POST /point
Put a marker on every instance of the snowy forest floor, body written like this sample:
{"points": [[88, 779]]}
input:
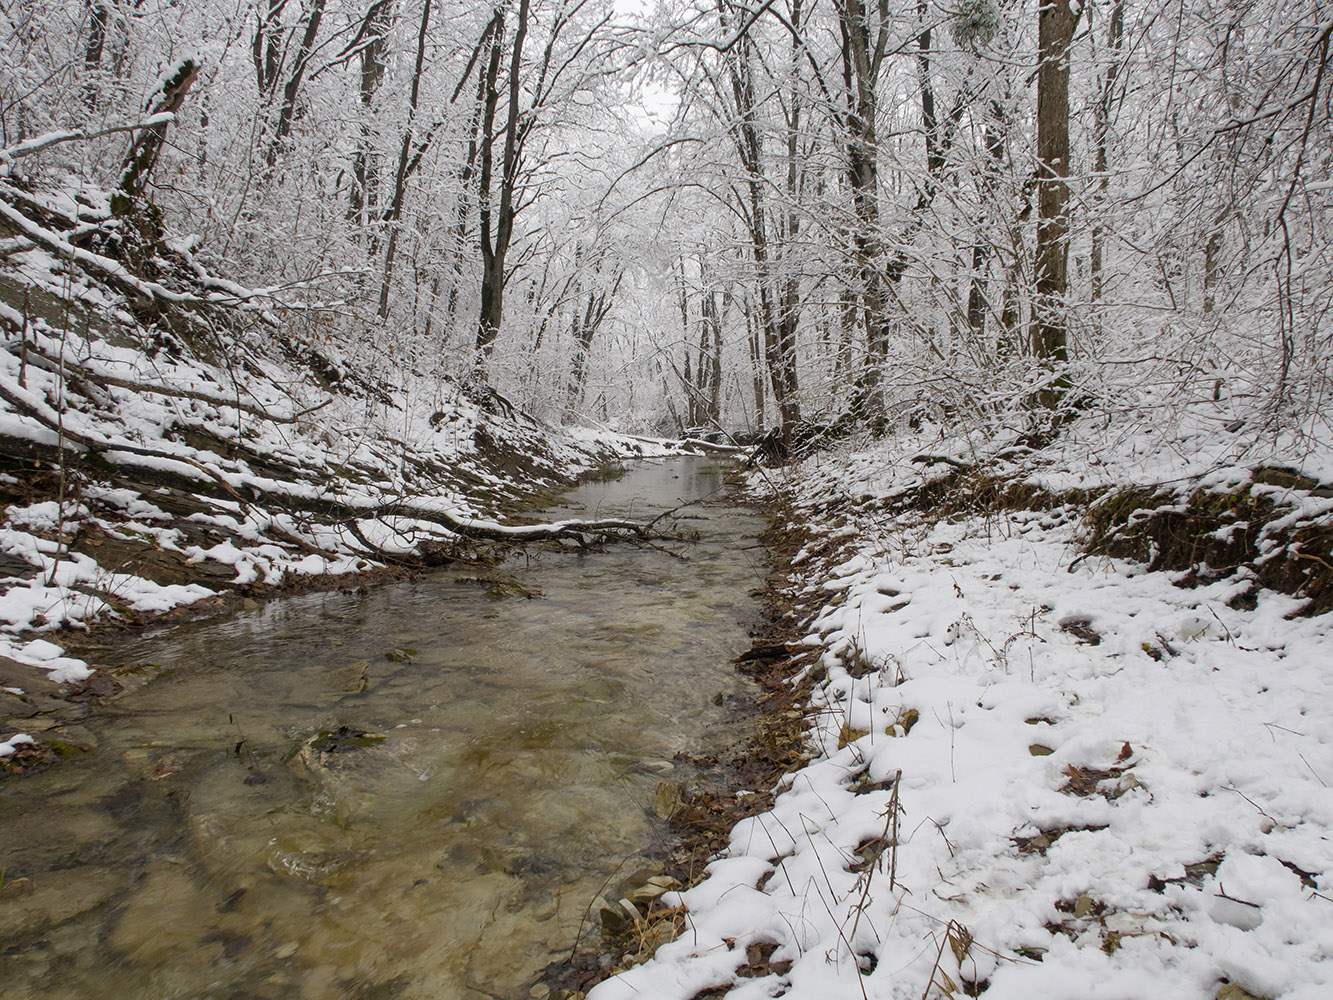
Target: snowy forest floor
{"points": [[1065, 737]]}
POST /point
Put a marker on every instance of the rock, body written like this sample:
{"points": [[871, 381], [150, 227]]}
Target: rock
{"points": [[1230, 991], [498, 590], [400, 655], [16, 887], [651, 889], [31, 680], [99, 684], [1038, 750], [1083, 906], [17, 706], [249, 604], [617, 917], [14, 566], [161, 918], [668, 799], [67, 741], [637, 878], [350, 679], [655, 766], [27, 905], [345, 739]]}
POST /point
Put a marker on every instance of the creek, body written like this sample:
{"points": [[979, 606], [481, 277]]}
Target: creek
{"points": [[233, 836]]}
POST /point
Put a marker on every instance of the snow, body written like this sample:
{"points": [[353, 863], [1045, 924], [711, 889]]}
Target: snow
{"points": [[1148, 815], [9, 746], [45, 656]]}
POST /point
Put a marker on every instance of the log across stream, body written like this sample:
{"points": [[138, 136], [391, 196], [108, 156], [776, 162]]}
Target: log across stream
{"points": [[412, 792]]}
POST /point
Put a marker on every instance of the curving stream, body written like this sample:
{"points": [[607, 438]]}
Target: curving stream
{"points": [[234, 837]]}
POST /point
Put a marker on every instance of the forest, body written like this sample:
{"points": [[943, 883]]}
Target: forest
{"points": [[711, 498], [719, 216]]}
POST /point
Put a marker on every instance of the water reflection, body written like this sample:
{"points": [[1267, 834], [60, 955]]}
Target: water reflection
{"points": [[223, 842]]}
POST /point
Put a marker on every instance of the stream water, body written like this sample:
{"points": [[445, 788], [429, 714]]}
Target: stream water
{"points": [[227, 840]]}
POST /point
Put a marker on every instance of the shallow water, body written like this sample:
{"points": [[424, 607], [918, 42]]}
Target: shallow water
{"points": [[215, 845]]}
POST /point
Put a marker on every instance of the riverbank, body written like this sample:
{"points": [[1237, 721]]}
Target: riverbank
{"points": [[1034, 765]]}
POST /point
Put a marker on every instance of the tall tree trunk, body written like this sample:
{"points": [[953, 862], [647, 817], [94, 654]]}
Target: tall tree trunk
{"points": [[99, 15], [365, 165], [395, 210], [756, 366], [981, 249], [1055, 32], [586, 325], [778, 333], [861, 59], [488, 36], [287, 112], [1102, 140], [266, 49], [497, 214]]}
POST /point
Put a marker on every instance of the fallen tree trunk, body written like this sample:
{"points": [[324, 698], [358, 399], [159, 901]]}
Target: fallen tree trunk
{"points": [[332, 510]]}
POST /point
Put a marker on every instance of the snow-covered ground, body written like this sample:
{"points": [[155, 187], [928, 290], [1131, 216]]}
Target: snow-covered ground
{"points": [[1031, 772]]}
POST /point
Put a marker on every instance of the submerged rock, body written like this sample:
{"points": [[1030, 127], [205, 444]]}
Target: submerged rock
{"points": [[348, 770], [345, 739], [668, 799]]}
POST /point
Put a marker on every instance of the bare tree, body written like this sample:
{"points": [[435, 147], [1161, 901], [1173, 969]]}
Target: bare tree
{"points": [[1055, 33]]}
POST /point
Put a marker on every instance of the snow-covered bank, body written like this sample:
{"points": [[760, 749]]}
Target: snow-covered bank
{"points": [[1032, 772], [168, 441]]}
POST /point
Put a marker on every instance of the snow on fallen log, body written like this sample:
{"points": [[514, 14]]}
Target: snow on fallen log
{"points": [[39, 143]]}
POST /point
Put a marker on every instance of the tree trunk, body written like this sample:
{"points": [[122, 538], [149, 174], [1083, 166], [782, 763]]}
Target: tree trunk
{"points": [[497, 215], [144, 151], [266, 49], [981, 249], [586, 324], [710, 362], [99, 15], [756, 367], [1055, 33], [861, 58], [365, 165], [293, 87], [395, 210], [1102, 137], [778, 330]]}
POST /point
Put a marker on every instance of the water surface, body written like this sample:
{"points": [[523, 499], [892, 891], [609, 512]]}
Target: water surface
{"points": [[217, 845]]}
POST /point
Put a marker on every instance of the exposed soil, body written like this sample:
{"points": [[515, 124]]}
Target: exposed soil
{"points": [[1207, 534], [1255, 532]]}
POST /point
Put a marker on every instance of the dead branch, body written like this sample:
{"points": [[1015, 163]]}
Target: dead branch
{"points": [[41, 142], [344, 511], [76, 370]]}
